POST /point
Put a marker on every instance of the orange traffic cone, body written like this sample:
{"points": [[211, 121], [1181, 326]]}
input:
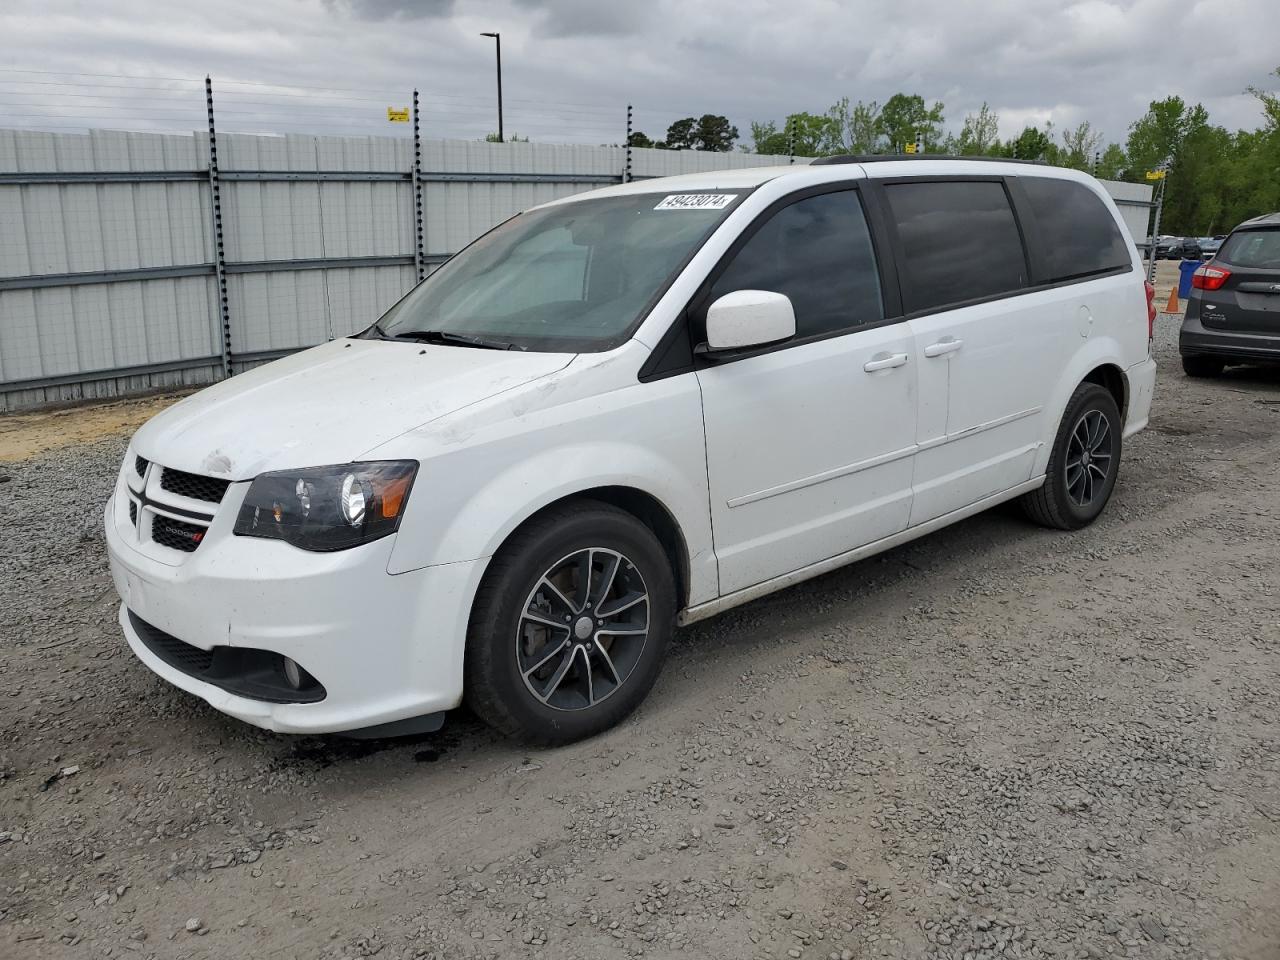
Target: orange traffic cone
{"points": [[1172, 306]]}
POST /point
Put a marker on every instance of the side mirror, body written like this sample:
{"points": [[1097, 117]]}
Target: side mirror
{"points": [[749, 318]]}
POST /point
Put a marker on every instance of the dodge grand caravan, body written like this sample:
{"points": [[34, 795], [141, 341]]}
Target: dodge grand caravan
{"points": [[621, 411]]}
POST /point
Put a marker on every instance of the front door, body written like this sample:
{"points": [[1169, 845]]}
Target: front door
{"points": [[809, 444]]}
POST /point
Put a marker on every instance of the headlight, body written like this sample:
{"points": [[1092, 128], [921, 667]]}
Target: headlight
{"points": [[328, 508]]}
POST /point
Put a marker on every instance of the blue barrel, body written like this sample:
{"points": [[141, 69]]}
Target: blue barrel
{"points": [[1185, 269]]}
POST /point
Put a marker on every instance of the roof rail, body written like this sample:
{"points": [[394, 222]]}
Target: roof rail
{"points": [[885, 157]]}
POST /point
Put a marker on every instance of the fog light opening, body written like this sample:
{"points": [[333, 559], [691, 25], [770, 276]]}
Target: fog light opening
{"points": [[294, 675]]}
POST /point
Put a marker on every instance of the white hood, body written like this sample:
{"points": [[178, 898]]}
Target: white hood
{"points": [[329, 404]]}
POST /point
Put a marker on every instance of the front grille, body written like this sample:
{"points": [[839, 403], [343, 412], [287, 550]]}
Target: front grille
{"points": [[209, 489], [179, 655], [175, 534], [140, 465], [133, 513]]}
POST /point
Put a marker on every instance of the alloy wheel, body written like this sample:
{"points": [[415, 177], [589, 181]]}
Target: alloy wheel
{"points": [[1090, 454], [582, 629]]}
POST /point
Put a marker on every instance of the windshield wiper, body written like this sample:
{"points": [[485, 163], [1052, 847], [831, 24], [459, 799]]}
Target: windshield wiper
{"points": [[455, 339]]}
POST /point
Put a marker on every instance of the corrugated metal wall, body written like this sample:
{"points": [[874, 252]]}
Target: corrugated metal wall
{"points": [[67, 334], [66, 330], [81, 213]]}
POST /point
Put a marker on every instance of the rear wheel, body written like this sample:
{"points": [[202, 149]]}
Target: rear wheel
{"points": [[1202, 366], [1083, 464], [570, 625]]}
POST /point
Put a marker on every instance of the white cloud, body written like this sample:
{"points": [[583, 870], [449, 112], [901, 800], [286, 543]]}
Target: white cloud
{"points": [[571, 66]]}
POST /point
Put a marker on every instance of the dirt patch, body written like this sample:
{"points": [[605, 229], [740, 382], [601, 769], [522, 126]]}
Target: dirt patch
{"points": [[25, 435]]}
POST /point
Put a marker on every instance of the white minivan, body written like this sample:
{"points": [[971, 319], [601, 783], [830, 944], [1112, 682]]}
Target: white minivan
{"points": [[623, 411]]}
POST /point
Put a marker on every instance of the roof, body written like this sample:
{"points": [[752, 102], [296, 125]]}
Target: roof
{"points": [[826, 169], [1266, 220]]}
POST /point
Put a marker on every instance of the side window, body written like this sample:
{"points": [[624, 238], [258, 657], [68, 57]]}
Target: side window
{"points": [[818, 252], [1079, 234], [959, 239]]}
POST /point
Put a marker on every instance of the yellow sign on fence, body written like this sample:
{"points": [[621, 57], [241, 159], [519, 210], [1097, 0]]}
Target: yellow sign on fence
{"points": [[909, 147], [1155, 174], [398, 114]]}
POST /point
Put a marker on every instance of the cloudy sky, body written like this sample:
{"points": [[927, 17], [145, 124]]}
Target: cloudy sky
{"points": [[571, 66]]}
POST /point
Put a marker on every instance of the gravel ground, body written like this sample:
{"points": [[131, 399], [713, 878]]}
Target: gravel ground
{"points": [[996, 741]]}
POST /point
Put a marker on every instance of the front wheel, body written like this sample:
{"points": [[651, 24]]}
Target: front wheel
{"points": [[1083, 464], [570, 625]]}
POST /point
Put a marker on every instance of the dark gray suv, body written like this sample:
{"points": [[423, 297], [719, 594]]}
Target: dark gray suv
{"points": [[1233, 314]]}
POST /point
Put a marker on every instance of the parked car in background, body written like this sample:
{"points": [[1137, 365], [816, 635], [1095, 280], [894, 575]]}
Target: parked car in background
{"points": [[1209, 246], [638, 406], [1165, 245], [1184, 248], [1233, 313]]}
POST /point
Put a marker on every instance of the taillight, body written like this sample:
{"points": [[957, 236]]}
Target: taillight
{"points": [[1151, 310], [1209, 278]]}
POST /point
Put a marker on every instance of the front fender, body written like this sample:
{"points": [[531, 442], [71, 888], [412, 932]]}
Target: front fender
{"points": [[479, 481]]}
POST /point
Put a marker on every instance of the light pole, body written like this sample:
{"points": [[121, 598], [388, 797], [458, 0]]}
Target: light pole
{"points": [[497, 40]]}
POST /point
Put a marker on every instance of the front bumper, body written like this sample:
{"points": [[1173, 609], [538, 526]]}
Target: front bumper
{"points": [[1197, 340], [385, 647]]}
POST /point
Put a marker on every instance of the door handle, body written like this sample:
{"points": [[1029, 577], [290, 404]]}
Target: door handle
{"points": [[943, 347], [885, 363]]}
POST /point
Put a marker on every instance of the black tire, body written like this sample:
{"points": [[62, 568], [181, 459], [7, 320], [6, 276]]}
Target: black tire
{"points": [[1058, 504], [551, 546], [1202, 366]]}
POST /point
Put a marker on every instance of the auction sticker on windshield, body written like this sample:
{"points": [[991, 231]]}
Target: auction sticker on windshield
{"points": [[696, 201]]}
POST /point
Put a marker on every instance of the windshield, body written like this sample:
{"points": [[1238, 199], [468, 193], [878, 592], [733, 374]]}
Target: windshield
{"points": [[574, 277], [1252, 248]]}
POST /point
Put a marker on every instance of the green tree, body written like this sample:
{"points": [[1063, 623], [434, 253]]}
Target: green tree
{"points": [[904, 117], [802, 135], [680, 134], [1156, 136], [1031, 144], [714, 133], [638, 139], [1113, 163], [1078, 146], [852, 128], [978, 136]]}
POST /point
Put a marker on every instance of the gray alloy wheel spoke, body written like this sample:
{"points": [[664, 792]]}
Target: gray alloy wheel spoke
{"points": [[625, 603], [558, 649], [586, 663], [1104, 433], [608, 662], [556, 592], [586, 623], [597, 597], [545, 621], [558, 677]]}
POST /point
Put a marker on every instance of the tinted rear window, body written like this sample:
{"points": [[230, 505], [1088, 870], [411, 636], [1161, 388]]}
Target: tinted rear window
{"points": [[1077, 232], [960, 242], [1252, 248]]}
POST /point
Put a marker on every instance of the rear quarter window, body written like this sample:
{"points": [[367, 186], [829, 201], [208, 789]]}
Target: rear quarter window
{"points": [[1078, 235], [1252, 248]]}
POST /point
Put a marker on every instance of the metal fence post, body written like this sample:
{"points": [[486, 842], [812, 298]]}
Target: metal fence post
{"points": [[219, 252], [1155, 232], [626, 173], [791, 141], [419, 265]]}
